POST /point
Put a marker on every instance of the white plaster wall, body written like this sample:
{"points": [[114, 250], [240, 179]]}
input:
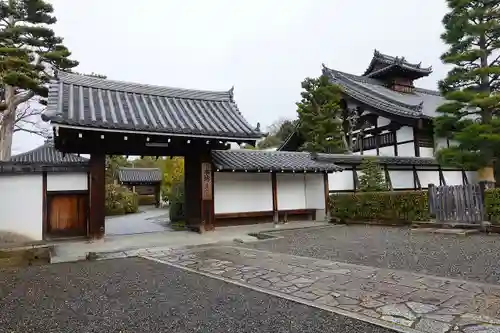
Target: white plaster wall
{"points": [[67, 181], [21, 204], [406, 149], [440, 143], [315, 191], [426, 152], [401, 179], [472, 177], [405, 133], [386, 151], [291, 191], [381, 121], [370, 152], [341, 181], [242, 192], [453, 177], [427, 177]]}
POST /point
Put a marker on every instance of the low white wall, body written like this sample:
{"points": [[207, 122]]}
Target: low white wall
{"points": [[402, 179], [315, 191], [341, 181], [252, 192], [242, 192], [291, 191], [21, 204], [67, 181]]}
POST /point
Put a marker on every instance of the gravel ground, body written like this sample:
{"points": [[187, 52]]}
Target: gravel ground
{"points": [[136, 295], [473, 257]]}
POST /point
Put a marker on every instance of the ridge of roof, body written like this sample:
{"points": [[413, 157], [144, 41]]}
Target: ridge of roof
{"points": [[140, 88]]}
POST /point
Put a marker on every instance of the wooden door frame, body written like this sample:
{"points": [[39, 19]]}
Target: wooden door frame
{"points": [[47, 199]]}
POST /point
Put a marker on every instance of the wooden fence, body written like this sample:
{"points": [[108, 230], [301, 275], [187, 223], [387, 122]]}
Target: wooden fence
{"points": [[457, 203]]}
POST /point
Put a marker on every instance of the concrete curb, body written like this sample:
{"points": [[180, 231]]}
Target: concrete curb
{"points": [[353, 315]]}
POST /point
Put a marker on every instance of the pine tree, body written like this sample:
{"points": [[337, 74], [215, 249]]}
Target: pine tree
{"points": [[320, 116], [372, 178], [470, 116], [29, 53]]}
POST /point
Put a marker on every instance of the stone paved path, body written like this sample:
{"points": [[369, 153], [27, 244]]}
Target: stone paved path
{"points": [[422, 303]]}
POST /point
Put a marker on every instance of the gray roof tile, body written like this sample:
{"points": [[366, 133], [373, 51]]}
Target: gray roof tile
{"points": [[357, 159], [255, 160], [390, 61], [139, 175], [422, 103], [80, 100], [48, 155]]}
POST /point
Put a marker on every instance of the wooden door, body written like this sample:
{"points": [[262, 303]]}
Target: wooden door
{"points": [[67, 215]]}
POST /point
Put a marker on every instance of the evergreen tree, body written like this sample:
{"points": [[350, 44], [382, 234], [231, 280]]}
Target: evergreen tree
{"points": [[372, 177], [29, 53], [320, 116], [470, 116], [278, 132]]}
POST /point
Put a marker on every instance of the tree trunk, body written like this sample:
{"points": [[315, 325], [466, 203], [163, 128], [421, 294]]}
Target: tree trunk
{"points": [[6, 133]]}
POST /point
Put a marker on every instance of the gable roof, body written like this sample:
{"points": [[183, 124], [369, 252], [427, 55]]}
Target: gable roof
{"points": [[91, 102], [422, 103], [260, 160], [139, 175], [47, 155], [383, 62]]}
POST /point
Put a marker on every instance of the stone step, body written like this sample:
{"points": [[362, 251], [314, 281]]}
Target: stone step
{"points": [[458, 232]]}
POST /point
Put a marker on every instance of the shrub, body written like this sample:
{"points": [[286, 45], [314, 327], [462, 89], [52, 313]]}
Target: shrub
{"points": [[120, 200], [402, 207], [147, 200], [176, 201], [372, 176], [492, 204]]}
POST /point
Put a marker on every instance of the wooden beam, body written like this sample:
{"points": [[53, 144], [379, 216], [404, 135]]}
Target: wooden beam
{"points": [[395, 143], [465, 181], [388, 178], [355, 178], [44, 205], [442, 180], [97, 195], [274, 189], [415, 142], [326, 187], [416, 179]]}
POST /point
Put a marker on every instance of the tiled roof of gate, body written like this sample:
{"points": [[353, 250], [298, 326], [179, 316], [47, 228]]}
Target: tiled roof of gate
{"points": [[48, 155], [92, 102], [422, 103], [259, 160], [139, 175]]}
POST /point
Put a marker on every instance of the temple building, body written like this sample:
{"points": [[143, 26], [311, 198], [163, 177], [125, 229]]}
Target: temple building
{"points": [[391, 119]]}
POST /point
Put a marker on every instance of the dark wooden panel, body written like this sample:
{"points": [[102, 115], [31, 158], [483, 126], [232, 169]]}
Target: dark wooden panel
{"points": [[67, 215]]}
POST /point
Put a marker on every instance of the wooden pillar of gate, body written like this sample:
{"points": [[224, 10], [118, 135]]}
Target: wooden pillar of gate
{"points": [[198, 193], [97, 196]]}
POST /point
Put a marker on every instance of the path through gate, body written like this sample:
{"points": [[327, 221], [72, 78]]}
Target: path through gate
{"points": [[456, 203]]}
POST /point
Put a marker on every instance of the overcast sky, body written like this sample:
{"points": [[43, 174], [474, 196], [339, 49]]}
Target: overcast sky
{"points": [[265, 48]]}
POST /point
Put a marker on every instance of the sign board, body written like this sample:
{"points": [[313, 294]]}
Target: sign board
{"points": [[206, 181]]}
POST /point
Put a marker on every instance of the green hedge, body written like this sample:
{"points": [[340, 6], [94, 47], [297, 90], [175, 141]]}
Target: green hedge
{"points": [[492, 204], [120, 200], [393, 207], [147, 200]]}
